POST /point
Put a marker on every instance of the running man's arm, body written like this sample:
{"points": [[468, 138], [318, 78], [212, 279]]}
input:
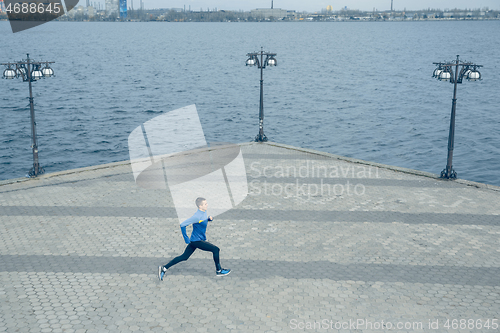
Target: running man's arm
{"points": [[191, 220], [184, 234]]}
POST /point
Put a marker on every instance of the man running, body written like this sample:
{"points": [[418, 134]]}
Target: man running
{"points": [[198, 240]]}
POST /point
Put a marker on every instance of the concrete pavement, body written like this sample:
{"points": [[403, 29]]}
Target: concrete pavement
{"points": [[322, 243]]}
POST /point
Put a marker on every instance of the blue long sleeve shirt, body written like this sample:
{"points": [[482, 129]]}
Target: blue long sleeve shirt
{"points": [[199, 221]]}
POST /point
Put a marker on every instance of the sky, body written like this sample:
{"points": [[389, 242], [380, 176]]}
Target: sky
{"points": [[313, 5]]}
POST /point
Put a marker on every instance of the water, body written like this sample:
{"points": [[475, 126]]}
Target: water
{"points": [[360, 89]]}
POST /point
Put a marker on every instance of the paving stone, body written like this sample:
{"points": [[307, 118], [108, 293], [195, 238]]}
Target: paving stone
{"points": [[82, 257]]}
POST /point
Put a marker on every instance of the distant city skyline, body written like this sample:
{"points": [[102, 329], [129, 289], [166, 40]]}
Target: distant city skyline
{"points": [[313, 5]]}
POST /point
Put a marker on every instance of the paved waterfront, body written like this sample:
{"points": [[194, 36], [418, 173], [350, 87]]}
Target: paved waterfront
{"points": [[340, 243]]}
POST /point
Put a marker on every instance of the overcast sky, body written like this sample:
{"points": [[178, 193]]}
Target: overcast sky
{"points": [[312, 5]]}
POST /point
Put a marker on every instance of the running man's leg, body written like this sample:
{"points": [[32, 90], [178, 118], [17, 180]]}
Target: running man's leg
{"points": [[187, 253], [206, 246]]}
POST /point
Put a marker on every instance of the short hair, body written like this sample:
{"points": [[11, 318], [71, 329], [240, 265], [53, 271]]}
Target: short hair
{"points": [[199, 201]]}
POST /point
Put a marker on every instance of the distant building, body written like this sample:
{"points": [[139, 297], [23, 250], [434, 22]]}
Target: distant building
{"points": [[2, 6], [78, 10], [269, 12], [112, 8], [123, 8]]}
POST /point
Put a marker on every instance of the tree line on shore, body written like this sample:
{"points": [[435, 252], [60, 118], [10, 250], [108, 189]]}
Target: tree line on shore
{"points": [[170, 15]]}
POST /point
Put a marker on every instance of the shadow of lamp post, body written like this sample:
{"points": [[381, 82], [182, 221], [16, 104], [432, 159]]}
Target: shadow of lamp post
{"points": [[253, 60], [455, 72], [30, 71]]}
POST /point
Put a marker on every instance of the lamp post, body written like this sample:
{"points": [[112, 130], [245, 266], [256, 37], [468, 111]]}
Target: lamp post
{"points": [[30, 71], [455, 72], [253, 60]]}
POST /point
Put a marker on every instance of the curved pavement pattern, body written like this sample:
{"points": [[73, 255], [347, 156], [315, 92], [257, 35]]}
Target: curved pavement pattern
{"points": [[320, 244]]}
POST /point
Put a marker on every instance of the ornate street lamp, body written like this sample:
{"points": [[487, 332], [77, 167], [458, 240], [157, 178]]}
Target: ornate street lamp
{"points": [[253, 60], [30, 71], [455, 72]]}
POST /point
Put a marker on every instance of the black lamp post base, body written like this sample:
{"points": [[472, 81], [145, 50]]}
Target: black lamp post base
{"points": [[35, 171], [261, 138], [448, 174]]}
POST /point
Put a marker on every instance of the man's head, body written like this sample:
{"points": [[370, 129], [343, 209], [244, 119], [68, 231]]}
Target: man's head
{"points": [[201, 203]]}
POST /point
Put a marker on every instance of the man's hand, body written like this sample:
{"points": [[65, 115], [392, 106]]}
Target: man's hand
{"points": [[210, 218]]}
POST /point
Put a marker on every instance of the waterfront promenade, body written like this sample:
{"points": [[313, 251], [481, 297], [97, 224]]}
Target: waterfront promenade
{"points": [[342, 245]]}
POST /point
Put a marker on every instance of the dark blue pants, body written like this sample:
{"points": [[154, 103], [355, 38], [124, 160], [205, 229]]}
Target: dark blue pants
{"points": [[191, 247]]}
